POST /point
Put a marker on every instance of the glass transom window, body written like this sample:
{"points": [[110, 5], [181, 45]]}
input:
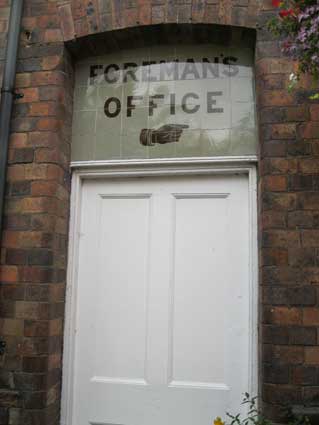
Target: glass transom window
{"points": [[165, 102]]}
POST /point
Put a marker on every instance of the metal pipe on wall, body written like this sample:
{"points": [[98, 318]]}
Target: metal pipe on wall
{"points": [[7, 93]]}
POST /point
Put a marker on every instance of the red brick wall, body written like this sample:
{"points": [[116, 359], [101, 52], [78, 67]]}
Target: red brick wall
{"points": [[34, 245], [4, 17], [289, 236], [34, 240]]}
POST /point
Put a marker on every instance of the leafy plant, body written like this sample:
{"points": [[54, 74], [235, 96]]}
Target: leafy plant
{"points": [[297, 23], [296, 419], [254, 416]]}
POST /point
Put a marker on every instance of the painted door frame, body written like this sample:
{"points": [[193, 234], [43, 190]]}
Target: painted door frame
{"points": [[169, 167]]}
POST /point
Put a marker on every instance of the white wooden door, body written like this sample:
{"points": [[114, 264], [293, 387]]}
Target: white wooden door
{"points": [[162, 309]]}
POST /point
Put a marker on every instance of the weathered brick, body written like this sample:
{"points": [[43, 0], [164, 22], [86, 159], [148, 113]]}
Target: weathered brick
{"points": [[303, 336], [283, 394], [15, 172], [50, 63], [309, 166], [56, 327], [299, 182], [314, 112], [21, 155], [18, 140], [47, 21], [279, 166], [312, 355], [310, 130], [276, 373], [30, 94], [311, 395], [42, 257], [308, 201], [32, 310], [29, 382], [302, 257], [282, 315], [35, 171], [36, 328], [49, 155], [158, 14], [310, 238], [8, 273], [13, 327], [66, 19], [280, 238], [36, 364], [300, 219], [298, 296], [35, 399], [20, 188], [273, 81], [279, 201], [315, 147], [298, 148], [305, 375], [274, 334], [46, 78], [16, 256], [273, 220], [52, 35], [275, 183], [44, 188], [311, 316], [274, 257], [278, 275], [275, 98], [48, 124], [274, 148], [23, 80], [37, 292], [297, 113], [283, 131], [42, 109], [43, 139]]}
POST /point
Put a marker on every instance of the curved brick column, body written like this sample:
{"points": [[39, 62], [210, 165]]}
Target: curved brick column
{"points": [[34, 244]]}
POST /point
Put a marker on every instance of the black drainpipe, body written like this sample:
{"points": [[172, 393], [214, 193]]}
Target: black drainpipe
{"points": [[7, 97], [7, 93]]}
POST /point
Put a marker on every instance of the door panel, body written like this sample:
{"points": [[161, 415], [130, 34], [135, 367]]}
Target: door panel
{"points": [[200, 252], [121, 324], [162, 300]]}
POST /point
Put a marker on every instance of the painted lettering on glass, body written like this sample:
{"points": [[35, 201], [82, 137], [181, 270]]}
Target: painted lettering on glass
{"points": [[190, 102], [113, 106], [173, 70]]}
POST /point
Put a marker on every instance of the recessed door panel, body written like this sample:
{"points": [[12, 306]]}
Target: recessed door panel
{"points": [[162, 306]]}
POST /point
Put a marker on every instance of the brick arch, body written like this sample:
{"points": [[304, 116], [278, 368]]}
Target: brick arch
{"points": [[81, 18], [152, 35]]}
